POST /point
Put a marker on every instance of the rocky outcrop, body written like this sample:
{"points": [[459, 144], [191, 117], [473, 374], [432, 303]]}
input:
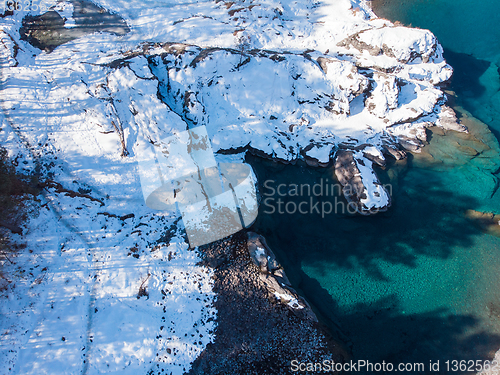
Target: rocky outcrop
{"points": [[360, 186], [274, 278], [349, 176], [487, 221], [394, 151], [48, 30], [448, 120], [282, 83], [285, 104], [402, 43], [384, 96], [208, 86], [271, 80]]}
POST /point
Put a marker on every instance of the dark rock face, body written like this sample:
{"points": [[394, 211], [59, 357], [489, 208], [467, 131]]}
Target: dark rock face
{"points": [[256, 333], [375, 159], [47, 31], [487, 221], [349, 177], [6, 13], [347, 170], [394, 152], [274, 279]]}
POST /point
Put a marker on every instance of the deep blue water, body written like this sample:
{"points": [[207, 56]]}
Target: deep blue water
{"points": [[420, 282]]}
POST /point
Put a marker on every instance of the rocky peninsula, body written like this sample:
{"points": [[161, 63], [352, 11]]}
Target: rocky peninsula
{"points": [[84, 82]]}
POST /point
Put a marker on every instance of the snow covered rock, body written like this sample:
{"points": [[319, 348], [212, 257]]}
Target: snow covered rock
{"points": [[384, 96], [268, 79], [8, 50], [361, 187], [402, 43], [262, 100], [274, 278]]}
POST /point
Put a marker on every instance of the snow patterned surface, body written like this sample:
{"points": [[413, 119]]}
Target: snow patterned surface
{"points": [[288, 79]]}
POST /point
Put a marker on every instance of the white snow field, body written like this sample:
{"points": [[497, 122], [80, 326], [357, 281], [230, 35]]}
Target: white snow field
{"points": [[98, 290]]}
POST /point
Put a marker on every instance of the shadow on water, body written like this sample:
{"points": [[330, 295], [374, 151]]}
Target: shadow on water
{"points": [[425, 221], [466, 83], [467, 71], [382, 331]]}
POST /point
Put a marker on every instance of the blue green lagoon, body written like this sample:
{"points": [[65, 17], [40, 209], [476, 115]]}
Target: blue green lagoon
{"points": [[420, 282]]}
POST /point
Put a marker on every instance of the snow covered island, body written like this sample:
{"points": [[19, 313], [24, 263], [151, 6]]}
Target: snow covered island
{"points": [[111, 286]]}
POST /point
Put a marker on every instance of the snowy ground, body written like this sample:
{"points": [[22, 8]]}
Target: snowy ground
{"points": [[289, 79], [103, 285]]}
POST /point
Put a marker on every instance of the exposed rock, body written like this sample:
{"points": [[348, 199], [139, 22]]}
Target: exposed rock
{"points": [[317, 155], [47, 31], [395, 152], [410, 144], [487, 221], [274, 278], [349, 177], [211, 76], [360, 185], [401, 43], [374, 155], [207, 86], [476, 146], [384, 96], [448, 120], [6, 12], [353, 41], [323, 63]]}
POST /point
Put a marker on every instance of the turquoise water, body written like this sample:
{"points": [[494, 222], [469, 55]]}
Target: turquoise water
{"points": [[420, 282]]}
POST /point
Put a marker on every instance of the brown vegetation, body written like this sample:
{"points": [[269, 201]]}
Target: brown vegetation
{"points": [[15, 189]]}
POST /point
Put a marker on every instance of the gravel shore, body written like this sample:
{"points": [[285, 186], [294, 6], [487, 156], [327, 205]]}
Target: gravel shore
{"points": [[256, 333]]}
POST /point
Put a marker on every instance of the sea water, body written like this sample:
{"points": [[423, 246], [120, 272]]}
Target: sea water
{"points": [[420, 282]]}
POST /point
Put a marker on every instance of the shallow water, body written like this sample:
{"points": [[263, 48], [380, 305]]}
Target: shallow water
{"points": [[421, 281]]}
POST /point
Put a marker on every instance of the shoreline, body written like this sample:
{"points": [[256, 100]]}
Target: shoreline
{"points": [[259, 329]]}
